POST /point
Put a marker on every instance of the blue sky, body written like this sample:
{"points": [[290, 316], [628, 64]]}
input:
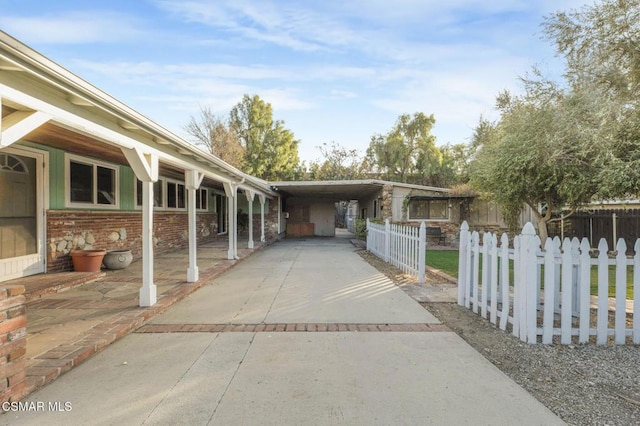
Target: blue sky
{"points": [[333, 70]]}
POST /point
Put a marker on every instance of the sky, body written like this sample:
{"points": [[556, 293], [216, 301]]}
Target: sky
{"points": [[333, 70]]}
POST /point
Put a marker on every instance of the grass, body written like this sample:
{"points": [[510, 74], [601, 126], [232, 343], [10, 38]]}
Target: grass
{"points": [[447, 261]]}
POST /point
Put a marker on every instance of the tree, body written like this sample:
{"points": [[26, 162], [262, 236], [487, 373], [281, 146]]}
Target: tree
{"points": [[271, 152], [339, 164], [555, 148], [408, 152], [600, 44], [542, 152], [216, 135]]}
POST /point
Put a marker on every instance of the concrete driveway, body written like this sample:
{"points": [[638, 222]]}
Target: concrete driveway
{"points": [[303, 332]]}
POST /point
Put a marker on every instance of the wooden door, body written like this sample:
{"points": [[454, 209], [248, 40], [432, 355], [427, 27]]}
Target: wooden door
{"points": [[20, 215]]}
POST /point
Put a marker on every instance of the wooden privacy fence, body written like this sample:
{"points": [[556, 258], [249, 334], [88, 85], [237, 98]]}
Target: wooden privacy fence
{"points": [[400, 245], [546, 293]]}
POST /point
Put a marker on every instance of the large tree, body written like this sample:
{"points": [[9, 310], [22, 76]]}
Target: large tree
{"points": [[544, 152], [271, 152], [408, 152], [562, 145], [215, 134], [601, 46]]}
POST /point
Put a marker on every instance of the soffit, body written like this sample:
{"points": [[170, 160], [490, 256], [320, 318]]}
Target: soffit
{"points": [[336, 191]]}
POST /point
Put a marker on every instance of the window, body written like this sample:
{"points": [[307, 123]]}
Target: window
{"points": [[425, 208], [11, 163], [158, 193], [201, 199], [175, 195], [91, 183]]}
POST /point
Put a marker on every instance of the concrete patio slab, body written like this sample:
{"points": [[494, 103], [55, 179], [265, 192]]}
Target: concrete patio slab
{"points": [[295, 281], [287, 378], [205, 360]]}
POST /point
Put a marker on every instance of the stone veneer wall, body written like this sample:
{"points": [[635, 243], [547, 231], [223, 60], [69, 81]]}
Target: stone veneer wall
{"points": [[13, 343], [68, 230], [387, 202]]}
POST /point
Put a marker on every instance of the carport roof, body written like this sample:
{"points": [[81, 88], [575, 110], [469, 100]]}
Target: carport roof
{"points": [[340, 190]]}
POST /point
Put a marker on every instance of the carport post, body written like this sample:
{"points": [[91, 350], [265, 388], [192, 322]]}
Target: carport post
{"points": [[250, 195], [261, 197], [192, 180], [231, 191]]}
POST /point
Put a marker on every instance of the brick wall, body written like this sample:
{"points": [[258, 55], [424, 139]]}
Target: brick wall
{"points": [[111, 230], [13, 343], [67, 230]]}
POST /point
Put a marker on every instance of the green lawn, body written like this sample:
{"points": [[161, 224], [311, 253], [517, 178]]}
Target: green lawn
{"points": [[447, 261]]}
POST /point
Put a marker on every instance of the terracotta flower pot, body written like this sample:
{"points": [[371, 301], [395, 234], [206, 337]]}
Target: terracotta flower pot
{"points": [[118, 259], [87, 260]]}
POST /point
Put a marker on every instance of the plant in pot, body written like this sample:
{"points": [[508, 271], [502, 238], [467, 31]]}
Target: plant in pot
{"points": [[87, 260]]}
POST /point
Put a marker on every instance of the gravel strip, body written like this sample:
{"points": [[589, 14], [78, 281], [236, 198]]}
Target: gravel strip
{"points": [[582, 384]]}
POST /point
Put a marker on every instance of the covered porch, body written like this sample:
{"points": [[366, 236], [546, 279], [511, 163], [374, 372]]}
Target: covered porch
{"points": [[95, 173], [80, 318]]}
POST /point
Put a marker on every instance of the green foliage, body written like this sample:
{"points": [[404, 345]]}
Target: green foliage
{"points": [[600, 44], [361, 229], [543, 150], [271, 152], [565, 145], [339, 163], [216, 135], [408, 152]]}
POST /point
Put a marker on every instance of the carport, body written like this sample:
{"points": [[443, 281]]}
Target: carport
{"points": [[310, 206]]}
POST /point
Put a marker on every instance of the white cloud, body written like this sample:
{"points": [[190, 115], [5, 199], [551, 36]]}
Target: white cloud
{"points": [[72, 27]]}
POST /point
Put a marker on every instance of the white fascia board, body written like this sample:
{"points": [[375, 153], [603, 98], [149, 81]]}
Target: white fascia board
{"points": [[80, 94]]}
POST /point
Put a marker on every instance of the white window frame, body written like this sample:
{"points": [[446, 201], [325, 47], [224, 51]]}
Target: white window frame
{"points": [[178, 183], [162, 181], [446, 219], [206, 197], [69, 158]]}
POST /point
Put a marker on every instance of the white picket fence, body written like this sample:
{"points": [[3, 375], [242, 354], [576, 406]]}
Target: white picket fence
{"points": [[400, 245], [549, 293]]}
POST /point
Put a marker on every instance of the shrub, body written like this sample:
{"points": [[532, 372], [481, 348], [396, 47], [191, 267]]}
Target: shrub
{"points": [[361, 229]]}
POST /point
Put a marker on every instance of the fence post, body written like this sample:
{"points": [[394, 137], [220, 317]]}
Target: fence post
{"points": [[528, 292], [422, 252], [387, 239], [462, 262], [369, 236]]}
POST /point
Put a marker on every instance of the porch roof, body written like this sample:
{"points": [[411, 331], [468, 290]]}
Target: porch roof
{"points": [[46, 103], [342, 190]]}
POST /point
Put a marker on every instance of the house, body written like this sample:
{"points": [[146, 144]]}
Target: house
{"points": [[310, 205], [80, 169]]}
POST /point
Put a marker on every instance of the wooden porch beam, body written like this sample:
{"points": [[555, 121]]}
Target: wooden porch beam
{"points": [[18, 124]]}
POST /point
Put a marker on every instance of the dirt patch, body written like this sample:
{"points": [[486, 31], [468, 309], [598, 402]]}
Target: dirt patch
{"points": [[582, 384]]}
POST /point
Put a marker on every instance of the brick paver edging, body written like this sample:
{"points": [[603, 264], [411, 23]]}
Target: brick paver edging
{"points": [[48, 366], [289, 327]]}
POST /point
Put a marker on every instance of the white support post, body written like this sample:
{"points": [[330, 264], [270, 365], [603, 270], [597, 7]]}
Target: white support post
{"points": [[145, 167], [250, 196], [192, 181], [148, 292], [262, 199], [231, 190]]}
